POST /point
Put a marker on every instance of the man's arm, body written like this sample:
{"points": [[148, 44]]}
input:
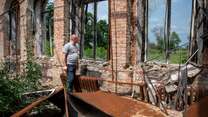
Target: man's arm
{"points": [[65, 59], [77, 64], [65, 54]]}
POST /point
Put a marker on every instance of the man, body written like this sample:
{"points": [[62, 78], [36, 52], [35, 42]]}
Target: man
{"points": [[71, 51]]}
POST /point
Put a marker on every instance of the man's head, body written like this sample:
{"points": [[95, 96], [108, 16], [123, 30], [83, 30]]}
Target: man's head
{"points": [[74, 38]]}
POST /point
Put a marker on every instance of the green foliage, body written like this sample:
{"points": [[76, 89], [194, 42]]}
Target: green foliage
{"points": [[101, 53], [88, 40], [13, 84], [179, 56], [33, 74], [9, 93], [157, 50], [102, 34], [13, 87], [88, 53], [49, 27], [160, 44], [174, 41], [47, 48], [157, 54]]}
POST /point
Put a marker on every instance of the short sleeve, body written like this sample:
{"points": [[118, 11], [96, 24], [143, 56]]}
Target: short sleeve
{"points": [[66, 48], [77, 45]]}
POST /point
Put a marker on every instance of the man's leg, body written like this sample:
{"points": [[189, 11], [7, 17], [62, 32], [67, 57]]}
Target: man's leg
{"points": [[70, 77]]}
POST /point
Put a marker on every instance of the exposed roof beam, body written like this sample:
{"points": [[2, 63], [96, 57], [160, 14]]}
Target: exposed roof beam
{"points": [[91, 1]]}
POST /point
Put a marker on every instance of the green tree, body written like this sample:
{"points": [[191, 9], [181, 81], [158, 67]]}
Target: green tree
{"points": [[174, 40], [102, 34], [88, 35], [48, 15]]}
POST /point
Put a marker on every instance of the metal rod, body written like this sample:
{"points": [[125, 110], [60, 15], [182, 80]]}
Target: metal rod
{"points": [[83, 15], [191, 56], [129, 33], [110, 81], [167, 29], [146, 29], [73, 17], [110, 41], [157, 94], [115, 23], [128, 49], [95, 30]]}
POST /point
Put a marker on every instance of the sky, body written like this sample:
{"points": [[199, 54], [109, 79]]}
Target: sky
{"points": [[102, 10]]}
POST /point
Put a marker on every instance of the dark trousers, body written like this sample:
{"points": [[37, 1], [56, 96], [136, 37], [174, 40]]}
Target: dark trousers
{"points": [[71, 70]]}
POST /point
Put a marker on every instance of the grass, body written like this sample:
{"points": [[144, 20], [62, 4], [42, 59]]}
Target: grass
{"points": [[47, 48], [179, 56], [101, 53]]}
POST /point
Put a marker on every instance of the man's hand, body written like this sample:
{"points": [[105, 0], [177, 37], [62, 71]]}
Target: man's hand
{"points": [[65, 68]]}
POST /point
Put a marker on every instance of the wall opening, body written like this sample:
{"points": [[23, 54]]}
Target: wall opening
{"points": [[14, 33], [14, 22], [96, 30], [168, 30]]}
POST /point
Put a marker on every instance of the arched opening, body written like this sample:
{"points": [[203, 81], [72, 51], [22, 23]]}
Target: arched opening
{"points": [[12, 42], [14, 22], [43, 20]]}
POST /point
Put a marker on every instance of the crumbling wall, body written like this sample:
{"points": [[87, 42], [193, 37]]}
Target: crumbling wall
{"points": [[199, 41]]}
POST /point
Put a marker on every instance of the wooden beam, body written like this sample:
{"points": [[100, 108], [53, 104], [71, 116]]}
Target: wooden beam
{"points": [[90, 1]]}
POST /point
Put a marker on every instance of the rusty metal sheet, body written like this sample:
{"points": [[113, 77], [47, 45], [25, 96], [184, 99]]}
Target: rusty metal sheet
{"points": [[35, 103], [117, 106], [198, 109]]}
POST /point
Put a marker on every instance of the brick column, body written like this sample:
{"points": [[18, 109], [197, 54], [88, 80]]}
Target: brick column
{"points": [[23, 30], [59, 30], [2, 2], [1, 40], [4, 43], [119, 33]]}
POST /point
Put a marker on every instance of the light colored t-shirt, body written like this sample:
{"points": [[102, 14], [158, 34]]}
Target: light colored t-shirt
{"points": [[73, 53]]}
